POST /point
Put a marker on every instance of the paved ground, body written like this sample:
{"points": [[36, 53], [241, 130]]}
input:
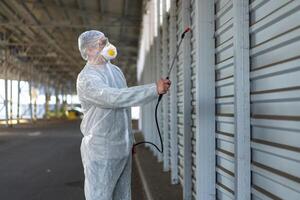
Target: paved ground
{"points": [[44, 163], [158, 183]]}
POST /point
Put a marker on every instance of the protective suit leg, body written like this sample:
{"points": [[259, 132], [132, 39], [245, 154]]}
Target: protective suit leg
{"points": [[123, 188], [102, 176]]}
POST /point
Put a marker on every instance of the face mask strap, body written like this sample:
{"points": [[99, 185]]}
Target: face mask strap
{"points": [[106, 60]]}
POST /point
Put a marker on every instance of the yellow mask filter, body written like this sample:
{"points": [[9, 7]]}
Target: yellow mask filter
{"points": [[111, 52]]}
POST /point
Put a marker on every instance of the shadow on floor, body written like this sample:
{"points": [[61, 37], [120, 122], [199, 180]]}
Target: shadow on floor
{"points": [[43, 163]]}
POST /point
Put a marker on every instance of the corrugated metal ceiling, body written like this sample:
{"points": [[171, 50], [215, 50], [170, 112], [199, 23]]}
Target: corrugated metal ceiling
{"points": [[43, 34]]}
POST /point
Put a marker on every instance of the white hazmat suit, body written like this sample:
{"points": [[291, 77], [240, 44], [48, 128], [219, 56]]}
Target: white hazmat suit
{"points": [[106, 126]]}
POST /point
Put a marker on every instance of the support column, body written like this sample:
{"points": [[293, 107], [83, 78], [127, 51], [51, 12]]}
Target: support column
{"points": [[57, 101], [205, 100], [6, 95], [35, 105], [173, 98], [165, 98], [30, 101], [30, 94], [11, 104], [18, 106], [242, 99], [47, 99], [187, 105], [158, 68]]}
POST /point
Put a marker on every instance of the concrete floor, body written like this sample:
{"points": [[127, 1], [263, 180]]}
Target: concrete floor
{"points": [[44, 163], [157, 182]]}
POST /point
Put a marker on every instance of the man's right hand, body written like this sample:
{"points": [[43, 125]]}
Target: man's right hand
{"points": [[162, 86]]}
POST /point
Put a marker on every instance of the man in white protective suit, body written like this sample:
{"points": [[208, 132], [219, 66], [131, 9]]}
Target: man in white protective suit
{"points": [[106, 125]]}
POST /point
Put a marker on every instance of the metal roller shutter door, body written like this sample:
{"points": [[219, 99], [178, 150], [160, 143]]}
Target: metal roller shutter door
{"points": [[224, 71], [275, 99], [180, 81], [193, 90]]}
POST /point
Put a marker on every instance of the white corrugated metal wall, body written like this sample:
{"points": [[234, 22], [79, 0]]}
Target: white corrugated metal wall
{"points": [[275, 99], [224, 83], [193, 93], [235, 93]]}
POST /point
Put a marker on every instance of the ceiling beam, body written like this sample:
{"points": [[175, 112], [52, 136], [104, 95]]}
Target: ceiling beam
{"points": [[102, 6], [78, 12], [82, 8], [26, 13], [68, 24]]}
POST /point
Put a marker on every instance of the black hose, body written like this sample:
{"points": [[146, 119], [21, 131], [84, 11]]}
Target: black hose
{"points": [[157, 126], [159, 99]]}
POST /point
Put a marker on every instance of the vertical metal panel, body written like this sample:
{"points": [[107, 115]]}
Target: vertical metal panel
{"points": [[275, 99], [165, 100], [173, 99], [158, 68], [148, 74], [162, 72], [241, 99], [187, 107], [179, 88], [224, 91], [193, 92], [11, 101], [152, 72], [6, 94], [30, 95], [147, 109], [18, 98], [153, 103], [150, 106], [203, 31]]}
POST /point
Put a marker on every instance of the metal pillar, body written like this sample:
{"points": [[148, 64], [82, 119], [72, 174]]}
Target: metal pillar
{"points": [[35, 86], [165, 102], [57, 101], [30, 94], [242, 99], [11, 104], [173, 99], [187, 106], [47, 99], [205, 100], [6, 95], [30, 100], [18, 103], [35, 109], [158, 65]]}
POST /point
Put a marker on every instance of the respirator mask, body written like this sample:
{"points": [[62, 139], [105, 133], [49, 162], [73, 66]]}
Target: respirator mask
{"points": [[109, 51]]}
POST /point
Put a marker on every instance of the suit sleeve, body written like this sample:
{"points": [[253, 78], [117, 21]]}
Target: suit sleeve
{"points": [[93, 89]]}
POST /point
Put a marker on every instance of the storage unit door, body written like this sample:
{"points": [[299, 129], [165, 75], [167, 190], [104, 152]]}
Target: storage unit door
{"points": [[224, 81], [275, 98]]}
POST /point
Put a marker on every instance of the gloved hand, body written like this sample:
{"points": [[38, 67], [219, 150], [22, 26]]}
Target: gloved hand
{"points": [[162, 86]]}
